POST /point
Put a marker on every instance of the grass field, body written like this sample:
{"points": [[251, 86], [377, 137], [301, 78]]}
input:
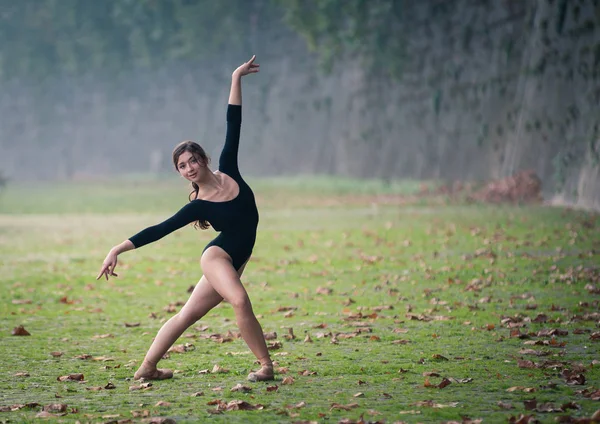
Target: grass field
{"points": [[388, 308]]}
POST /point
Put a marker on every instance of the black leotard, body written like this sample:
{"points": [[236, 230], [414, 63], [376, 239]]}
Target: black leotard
{"points": [[236, 219]]}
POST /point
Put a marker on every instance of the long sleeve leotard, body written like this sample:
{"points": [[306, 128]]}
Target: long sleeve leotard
{"points": [[236, 219]]}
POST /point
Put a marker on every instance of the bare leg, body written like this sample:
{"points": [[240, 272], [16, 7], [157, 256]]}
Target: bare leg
{"points": [[202, 300], [217, 266]]}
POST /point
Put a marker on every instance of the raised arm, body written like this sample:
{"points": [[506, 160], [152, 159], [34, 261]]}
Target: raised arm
{"points": [[228, 162], [235, 94]]}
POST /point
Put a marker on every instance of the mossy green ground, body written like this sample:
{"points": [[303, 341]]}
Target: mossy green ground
{"points": [[387, 287]]}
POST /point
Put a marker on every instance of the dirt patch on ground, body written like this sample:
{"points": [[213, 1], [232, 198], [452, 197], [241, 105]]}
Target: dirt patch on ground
{"points": [[522, 187]]}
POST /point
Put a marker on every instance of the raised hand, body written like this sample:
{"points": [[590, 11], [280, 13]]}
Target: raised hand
{"points": [[109, 265], [247, 68]]}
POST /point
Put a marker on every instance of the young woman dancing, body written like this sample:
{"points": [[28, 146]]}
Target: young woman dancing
{"points": [[223, 200]]}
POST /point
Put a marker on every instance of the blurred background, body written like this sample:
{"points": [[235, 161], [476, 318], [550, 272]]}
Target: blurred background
{"points": [[445, 90]]}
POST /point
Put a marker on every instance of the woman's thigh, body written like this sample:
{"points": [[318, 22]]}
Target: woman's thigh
{"points": [[225, 280]]}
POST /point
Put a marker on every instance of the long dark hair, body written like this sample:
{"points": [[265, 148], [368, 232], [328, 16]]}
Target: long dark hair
{"points": [[200, 155]]}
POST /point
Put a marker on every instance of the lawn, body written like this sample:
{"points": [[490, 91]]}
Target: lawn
{"points": [[387, 307]]}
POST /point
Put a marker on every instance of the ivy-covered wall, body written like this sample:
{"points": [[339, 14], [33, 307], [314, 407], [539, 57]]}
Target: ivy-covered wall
{"points": [[479, 89]]}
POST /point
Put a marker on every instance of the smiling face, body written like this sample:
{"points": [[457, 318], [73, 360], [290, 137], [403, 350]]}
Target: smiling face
{"points": [[191, 161], [189, 166]]}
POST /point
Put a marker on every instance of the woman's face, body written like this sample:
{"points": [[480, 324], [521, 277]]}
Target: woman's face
{"points": [[190, 167]]}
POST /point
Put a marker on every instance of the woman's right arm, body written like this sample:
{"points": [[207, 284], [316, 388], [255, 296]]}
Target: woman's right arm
{"points": [[189, 213]]}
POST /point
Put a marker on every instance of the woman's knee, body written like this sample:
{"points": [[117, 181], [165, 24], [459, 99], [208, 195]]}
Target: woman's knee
{"points": [[241, 303]]}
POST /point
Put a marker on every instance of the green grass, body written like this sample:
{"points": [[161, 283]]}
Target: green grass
{"points": [[440, 276]]}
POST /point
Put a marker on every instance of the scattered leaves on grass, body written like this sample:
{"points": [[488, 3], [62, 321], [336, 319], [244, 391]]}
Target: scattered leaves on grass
{"points": [[20, 331], [16, 407]]}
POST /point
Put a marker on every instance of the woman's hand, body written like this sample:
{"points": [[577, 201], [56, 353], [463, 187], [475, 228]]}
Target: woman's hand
{"points": [[109, 265], [247, 68]]}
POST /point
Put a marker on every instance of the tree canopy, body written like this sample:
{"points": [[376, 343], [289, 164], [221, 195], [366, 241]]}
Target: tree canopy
{"points": [[43, 37]]}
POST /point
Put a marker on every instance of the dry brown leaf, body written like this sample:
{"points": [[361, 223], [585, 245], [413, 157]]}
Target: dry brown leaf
{"points": [[297, 406], [219, 369], [343, 407], [20, 331], [324, 290], [504, 405], [83, 356], [288, 380], [444, 383], [71, 377], [163, 403], [241, 388], [270, 335], [55, 407], [142, 386], [21, 374], [103, 336]]}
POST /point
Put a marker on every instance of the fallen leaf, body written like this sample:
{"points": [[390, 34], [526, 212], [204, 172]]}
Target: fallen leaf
{"points": [[21, 374], [324, 290], [102, 336], [163, 403], [241, 388], [71, 377], [55, 407], [505, 405], [287, 380], [20, 331], [142, 386], [296, 406], [343, 407], [218, 369]]}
